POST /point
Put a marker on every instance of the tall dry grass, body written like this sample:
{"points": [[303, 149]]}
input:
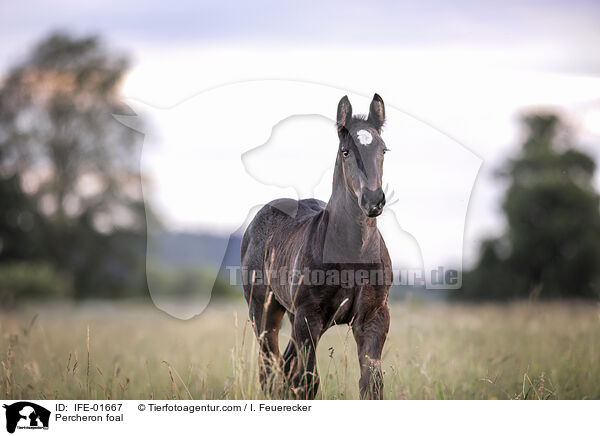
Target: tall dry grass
{"points": [[434, 351]]}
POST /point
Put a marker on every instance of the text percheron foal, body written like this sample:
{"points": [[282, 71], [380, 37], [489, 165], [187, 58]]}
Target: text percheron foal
{"points": [[339, 236]]}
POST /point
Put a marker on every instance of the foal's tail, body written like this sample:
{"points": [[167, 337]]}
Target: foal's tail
{"points": [[244, 245]]}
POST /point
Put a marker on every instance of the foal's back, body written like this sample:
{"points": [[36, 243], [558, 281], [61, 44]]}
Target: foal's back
{"points": [[275, 237]]}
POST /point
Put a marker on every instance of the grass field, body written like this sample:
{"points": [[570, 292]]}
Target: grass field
{"points": [[434, 351]]}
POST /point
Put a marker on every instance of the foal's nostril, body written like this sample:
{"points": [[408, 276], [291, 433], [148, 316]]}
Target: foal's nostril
{"points": [[373, 201], [374, 211]]}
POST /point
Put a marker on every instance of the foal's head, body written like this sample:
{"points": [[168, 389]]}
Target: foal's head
{"points": [[361, 154]]}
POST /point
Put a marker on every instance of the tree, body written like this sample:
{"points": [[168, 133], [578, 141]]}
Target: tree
{"points": [[69, 172], [551, 247]]}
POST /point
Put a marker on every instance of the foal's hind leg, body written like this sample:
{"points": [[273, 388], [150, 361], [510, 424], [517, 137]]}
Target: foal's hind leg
{"points": [[290, 353], [300, 360], [266, 314]]}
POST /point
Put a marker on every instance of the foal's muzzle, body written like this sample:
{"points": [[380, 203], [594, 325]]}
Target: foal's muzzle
{"points": [[372, 202]]}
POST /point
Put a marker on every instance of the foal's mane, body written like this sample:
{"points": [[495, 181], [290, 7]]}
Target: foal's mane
{"points": [[359, 118]]}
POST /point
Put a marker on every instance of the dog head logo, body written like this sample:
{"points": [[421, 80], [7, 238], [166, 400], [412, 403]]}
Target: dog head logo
{"points": [[26, 415]]}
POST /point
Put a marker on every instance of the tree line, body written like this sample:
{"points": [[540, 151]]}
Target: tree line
{"points": [[73, 221]]}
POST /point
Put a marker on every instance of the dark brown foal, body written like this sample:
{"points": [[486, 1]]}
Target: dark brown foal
{"points": [[324, 264]]}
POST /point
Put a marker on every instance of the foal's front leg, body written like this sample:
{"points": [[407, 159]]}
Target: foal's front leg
{"points": [[370, 333]]}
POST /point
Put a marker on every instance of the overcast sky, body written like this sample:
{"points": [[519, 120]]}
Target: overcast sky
{"points": [[467, 68], [550, 35]]}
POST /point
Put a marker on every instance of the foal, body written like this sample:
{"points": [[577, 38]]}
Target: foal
{"points": [[339, 265]]}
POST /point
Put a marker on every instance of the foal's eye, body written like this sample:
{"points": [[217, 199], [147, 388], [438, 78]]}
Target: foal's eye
{"points": [[345, 153]]}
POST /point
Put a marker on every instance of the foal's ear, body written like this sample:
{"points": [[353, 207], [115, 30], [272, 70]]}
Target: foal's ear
{"points": [[344, 113], [377, 113]]}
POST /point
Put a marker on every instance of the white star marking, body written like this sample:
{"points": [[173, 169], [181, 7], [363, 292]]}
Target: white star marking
{"points": [[364, 137]]}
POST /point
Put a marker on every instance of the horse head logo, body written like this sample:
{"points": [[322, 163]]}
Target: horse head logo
{"points": [[25, 414]]}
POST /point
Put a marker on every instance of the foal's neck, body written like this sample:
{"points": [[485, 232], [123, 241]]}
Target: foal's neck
{"points": [[351, 235]]}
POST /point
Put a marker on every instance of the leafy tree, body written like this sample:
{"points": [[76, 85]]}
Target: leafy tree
{"points": [[551, 247], [69, 172]]}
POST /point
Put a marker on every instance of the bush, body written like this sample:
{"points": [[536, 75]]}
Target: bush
{"points": [[186, 281], [22, 281]]}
